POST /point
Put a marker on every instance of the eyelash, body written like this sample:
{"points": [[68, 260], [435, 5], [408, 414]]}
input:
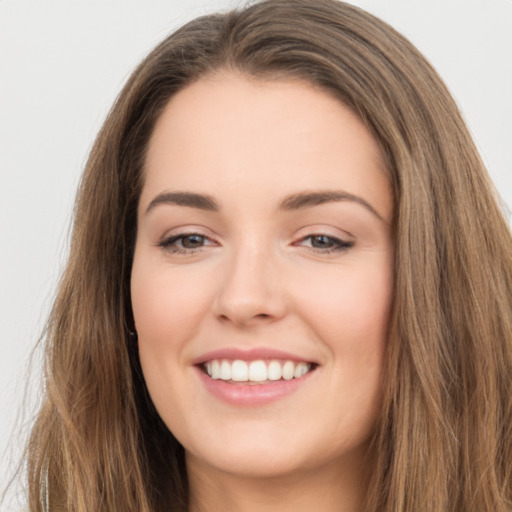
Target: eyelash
{"points": [[169, 244], [339, 245]]}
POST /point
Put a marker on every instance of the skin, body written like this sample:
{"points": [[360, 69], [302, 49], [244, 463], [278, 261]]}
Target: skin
{"points": [[258, 279]]}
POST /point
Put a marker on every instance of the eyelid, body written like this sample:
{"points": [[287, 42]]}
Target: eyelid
{"points": [[170, 241], [187, 230], [343, 240], [169, 238], [340, 245], [324, 230]]}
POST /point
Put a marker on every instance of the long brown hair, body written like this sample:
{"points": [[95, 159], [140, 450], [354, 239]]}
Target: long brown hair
{"points": [[443, 441]]}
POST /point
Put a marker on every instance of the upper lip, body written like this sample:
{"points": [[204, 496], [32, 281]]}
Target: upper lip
{"points": [[252, 354]]}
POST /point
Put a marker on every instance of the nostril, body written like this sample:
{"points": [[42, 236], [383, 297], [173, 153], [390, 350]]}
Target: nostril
{"points": [[237, 319]]}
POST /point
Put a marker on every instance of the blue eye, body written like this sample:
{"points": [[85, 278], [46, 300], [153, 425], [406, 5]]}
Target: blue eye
{"points": [[184, 243], [188, 243], [326, 244]]}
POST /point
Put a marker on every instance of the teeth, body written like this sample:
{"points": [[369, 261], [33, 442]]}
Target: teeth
{"points": [[288, 369], [300, 370], [239, 371], [214, 371], [255, 371], [225, 371], [274, 371]]}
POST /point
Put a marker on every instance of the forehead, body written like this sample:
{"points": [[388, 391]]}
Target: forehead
{"points": [[234, 136]]}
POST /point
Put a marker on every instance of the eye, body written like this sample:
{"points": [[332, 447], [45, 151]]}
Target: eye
{"points": [[185, 243], [325, 243]]}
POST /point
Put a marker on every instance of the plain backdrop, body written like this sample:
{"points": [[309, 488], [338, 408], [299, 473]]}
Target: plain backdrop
{"points": [[62, 64]]}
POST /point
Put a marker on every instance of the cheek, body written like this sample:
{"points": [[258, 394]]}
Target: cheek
{"points": [[351, 306], [167, 305], [167, 309]]}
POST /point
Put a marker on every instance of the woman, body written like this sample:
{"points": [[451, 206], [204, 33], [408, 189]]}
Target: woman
{"points": [[289, 284]]}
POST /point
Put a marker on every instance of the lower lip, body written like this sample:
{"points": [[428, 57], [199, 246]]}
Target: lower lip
{"points": [[242, 394]]}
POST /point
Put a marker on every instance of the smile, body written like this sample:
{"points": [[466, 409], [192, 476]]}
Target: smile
{"points": [[259, 371], [254, 377]]}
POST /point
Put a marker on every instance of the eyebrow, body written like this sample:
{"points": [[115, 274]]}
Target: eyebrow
{"points": [[298, 201], [190, 199], [308, 199]]}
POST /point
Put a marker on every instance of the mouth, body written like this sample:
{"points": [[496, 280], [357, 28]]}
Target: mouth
{"points": [[254, 377], [256, 372]]}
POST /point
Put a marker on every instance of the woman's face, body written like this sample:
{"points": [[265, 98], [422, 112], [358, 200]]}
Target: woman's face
{"points": [[262, 277]]}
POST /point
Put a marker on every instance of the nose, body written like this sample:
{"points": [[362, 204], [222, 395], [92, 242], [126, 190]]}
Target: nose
{"points": [[251, 290]]}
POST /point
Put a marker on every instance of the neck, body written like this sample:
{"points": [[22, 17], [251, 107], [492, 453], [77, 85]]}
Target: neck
{"points": [[327, 488]]}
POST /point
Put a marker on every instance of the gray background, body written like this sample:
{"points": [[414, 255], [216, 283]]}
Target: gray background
{"points": [[62, 64]]}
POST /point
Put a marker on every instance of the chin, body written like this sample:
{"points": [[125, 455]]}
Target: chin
{"points": [[272, 454], [250, 462]]}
